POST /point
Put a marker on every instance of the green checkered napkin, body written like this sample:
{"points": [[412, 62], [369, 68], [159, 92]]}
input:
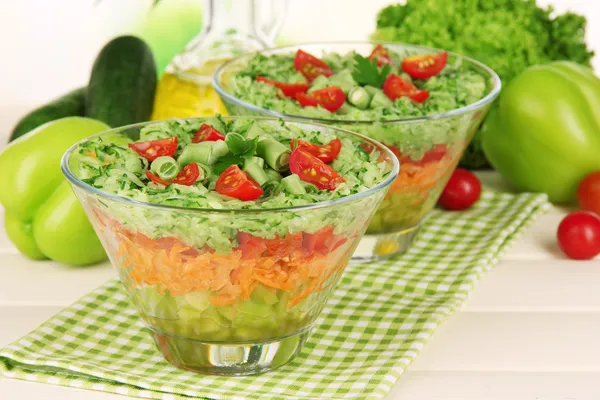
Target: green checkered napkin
{"points": [[374, 325]]}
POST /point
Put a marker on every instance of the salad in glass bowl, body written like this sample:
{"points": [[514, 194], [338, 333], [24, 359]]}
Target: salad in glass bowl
{"points": [[424, 104], [229, 233]]}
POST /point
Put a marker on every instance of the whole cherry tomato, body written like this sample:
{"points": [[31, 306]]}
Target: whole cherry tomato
{"points": [[461, 192], [588, 193], [579, 235]]}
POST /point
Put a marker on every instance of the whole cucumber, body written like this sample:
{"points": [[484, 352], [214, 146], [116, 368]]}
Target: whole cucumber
{"points": [[122, 83], [71, 104]]}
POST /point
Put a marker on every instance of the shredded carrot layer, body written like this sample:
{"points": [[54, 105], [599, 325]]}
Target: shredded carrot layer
{"points": [[171, 265], [421, 178]]}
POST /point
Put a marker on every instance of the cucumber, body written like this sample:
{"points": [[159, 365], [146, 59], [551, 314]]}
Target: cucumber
{"points": [[71, 104], [122, 83]]}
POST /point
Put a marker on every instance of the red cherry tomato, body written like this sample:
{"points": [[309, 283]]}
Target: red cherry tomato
{"points": [[323, 241], [288, 89], [312, 170], [326, 153], [207, 133], [395, 87], [579, 235], [434, 155], [234, 182], [425, 66], [382, 55], [310, 66], [461, 192], [588, 193], [188, 176], [330, 98], [251, 246], [153, 149]]}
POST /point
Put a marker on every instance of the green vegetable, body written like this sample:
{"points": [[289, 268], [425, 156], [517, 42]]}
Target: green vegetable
{"points": [[380, 100], [165, 167], [255, 171], [359, 98], [273, 175], [293, 185], [206, 153], [43, 218], [366, 71], [507, 35], [544, 135], [122, 83], [276, 155], [71, 104], [343, 79]]}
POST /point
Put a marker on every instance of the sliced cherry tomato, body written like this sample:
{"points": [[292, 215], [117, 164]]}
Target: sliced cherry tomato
{"points": [[434, 155], [326, 153], [153, 149], [588, 193], [395, 87], [323, 241], [425, 66], [187, 177], [312, 170], [330, 98], [288, 89], [234, 182], [461, 192], [251, 246], [382, 55], [578, 235], [207, 133], [310, 66]]}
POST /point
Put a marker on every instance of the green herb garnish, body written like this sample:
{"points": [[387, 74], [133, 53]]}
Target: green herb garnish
{"points": [[366, 71]]}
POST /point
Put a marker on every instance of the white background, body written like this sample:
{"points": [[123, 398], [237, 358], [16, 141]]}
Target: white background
{"points": [[47, 46]]}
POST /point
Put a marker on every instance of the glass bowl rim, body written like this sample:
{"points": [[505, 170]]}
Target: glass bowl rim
{"points": [[74, 180], [487, 99]]}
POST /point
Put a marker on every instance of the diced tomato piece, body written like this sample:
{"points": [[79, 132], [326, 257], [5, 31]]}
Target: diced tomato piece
{"points": [[330, 98], [395, 87], [288, 89], [207, 133], [153, 149], [310, 66], [425, 66], [382, 55], [236, 183], [251, 246], [433, 155], [323, 241], [187, 177], [326, 153], [312, 170]]}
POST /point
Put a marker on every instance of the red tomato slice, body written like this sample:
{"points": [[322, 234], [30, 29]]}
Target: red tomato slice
{"points": [[330, 98], [434, 155], [323, 241], [153, 149], [188, 176], [312, 170], [207, 133], [288, 89], [234, 182], [382, 56], [252, 247], [310, 66], [425, 66], [395, 87], [326, 153]]}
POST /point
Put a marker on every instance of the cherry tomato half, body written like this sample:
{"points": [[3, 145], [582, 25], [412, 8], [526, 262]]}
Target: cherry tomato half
{"points": [[234, 182], [153, 149], [578, 235], [187, 177], [588, 193], [207, 133], [310, 66], [461, 192], [330, 98], [382, 55], [326, 153], [288, 89], [312, 170], [425, 66], [434, 155], [395, 87]]}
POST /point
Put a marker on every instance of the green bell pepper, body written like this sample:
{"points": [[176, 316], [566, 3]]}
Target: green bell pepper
{"points": [[544, 136], [43, 217]]}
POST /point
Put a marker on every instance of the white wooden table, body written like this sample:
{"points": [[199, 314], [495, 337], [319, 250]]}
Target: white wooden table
{"points": [[531, 330]]}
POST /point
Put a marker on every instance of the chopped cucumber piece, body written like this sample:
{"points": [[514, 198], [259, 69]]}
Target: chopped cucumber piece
{"points": [[273, 175], [262, 294], [256, 309], [344, 80], [199, 300], [320, 82], [293, 185], [380, 100], [227, 312], [359, 97], [255, 171]]}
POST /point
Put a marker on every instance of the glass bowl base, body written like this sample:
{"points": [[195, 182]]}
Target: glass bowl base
{"points": [[230, 359], [373, 247]]}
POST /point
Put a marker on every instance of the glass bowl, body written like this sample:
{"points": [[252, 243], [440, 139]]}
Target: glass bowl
{"points": [[239, 311], [423, 175]]}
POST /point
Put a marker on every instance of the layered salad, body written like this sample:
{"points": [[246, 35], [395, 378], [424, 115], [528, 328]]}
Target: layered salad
{"points": [[231, 229]]}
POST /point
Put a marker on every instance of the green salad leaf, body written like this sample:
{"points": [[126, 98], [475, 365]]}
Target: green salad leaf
{"points": [[366, 71]]}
